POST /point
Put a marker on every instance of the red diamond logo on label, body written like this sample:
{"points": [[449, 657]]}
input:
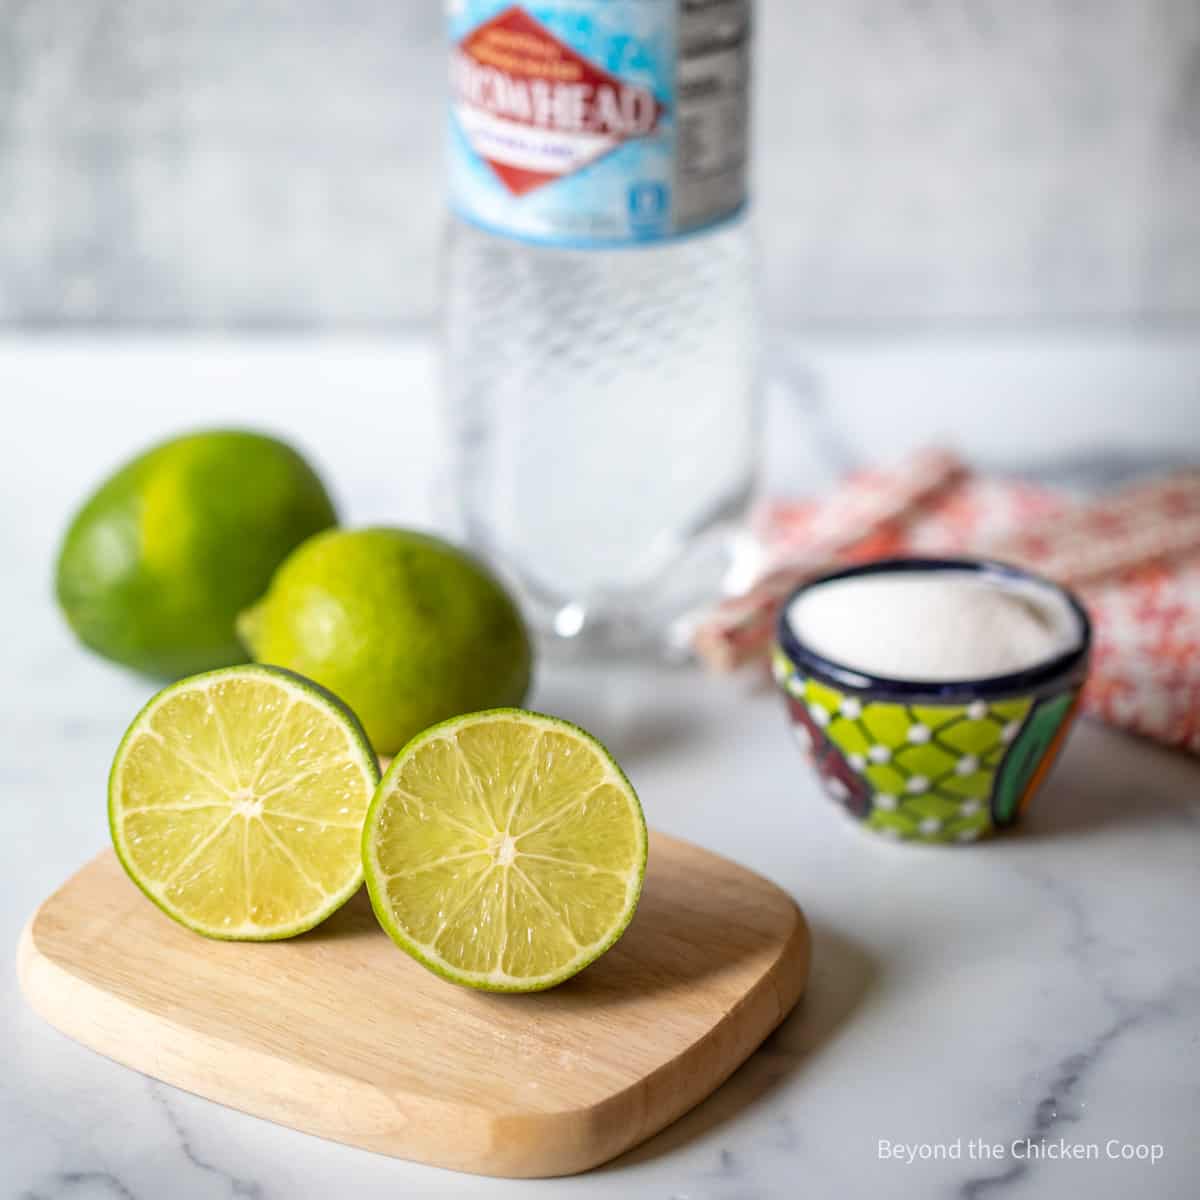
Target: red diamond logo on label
{"points": [[535, 110]]}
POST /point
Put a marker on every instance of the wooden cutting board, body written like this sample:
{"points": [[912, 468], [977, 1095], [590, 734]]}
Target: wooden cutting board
{"points": [[339, 1033]]}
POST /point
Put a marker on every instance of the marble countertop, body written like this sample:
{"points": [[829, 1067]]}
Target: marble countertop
{"points": [[1042, 988]]}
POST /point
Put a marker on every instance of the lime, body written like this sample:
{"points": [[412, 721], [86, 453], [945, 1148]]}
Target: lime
{"points": [[236, 802], [406, 628], [505, 850], [157, 564]]}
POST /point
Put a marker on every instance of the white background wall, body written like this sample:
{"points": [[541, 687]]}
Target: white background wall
{"points": [[258, 163]]}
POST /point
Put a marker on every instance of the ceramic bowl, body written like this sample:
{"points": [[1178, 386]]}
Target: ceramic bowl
{"points": [[941, 762]]}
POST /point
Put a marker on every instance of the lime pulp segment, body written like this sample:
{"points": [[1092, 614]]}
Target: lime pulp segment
{"points": [[505, 850], [236, 802]]}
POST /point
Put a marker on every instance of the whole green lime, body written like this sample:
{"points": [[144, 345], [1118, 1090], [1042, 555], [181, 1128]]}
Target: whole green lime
{"points": [[157, 564], [405, 628]]}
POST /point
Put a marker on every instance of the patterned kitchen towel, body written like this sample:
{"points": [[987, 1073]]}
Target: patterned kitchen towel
{"points": [[1133, 557]]}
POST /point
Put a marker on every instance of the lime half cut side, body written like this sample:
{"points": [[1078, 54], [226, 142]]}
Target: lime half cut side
{"points": [[505, 850], [236, 802]]}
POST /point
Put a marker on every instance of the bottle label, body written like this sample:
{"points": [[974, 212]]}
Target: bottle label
{"points": [[598, 122]]}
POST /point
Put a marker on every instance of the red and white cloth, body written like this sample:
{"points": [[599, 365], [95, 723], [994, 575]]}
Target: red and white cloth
{"points": [[1133, 557]]}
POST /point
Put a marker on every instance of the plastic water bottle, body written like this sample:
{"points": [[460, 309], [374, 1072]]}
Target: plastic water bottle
{"points": [[600, 344]]}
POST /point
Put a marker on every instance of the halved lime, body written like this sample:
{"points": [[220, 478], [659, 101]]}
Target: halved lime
{"points": [[236, 802], [504, 850]]}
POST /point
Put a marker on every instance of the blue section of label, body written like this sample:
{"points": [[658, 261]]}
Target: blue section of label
{"points": [[563, 123]]}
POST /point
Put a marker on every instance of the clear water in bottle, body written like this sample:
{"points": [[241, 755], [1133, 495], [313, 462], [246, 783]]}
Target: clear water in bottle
{"points": [[600, 341]]}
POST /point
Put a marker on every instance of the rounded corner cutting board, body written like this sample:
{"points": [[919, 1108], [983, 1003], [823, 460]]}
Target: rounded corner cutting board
{"points": [[340, 1034]]}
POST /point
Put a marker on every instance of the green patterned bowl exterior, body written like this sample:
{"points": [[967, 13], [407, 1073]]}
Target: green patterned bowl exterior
{"points": [[923, 762]]}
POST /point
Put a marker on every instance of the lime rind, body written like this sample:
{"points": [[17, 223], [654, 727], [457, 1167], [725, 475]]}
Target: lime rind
{"points": [[157, 562], [496, 980], [405, 627], [305, 690]]}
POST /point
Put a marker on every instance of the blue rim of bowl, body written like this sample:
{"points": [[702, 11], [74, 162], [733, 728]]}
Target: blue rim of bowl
{"points": [[1062, 668]]}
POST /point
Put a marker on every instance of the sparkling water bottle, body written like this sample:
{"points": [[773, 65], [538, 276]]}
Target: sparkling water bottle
{"points": [[600, 343]]}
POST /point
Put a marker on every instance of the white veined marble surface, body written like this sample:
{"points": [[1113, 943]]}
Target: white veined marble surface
{"points": [[255, 163], [1046, 986]]}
